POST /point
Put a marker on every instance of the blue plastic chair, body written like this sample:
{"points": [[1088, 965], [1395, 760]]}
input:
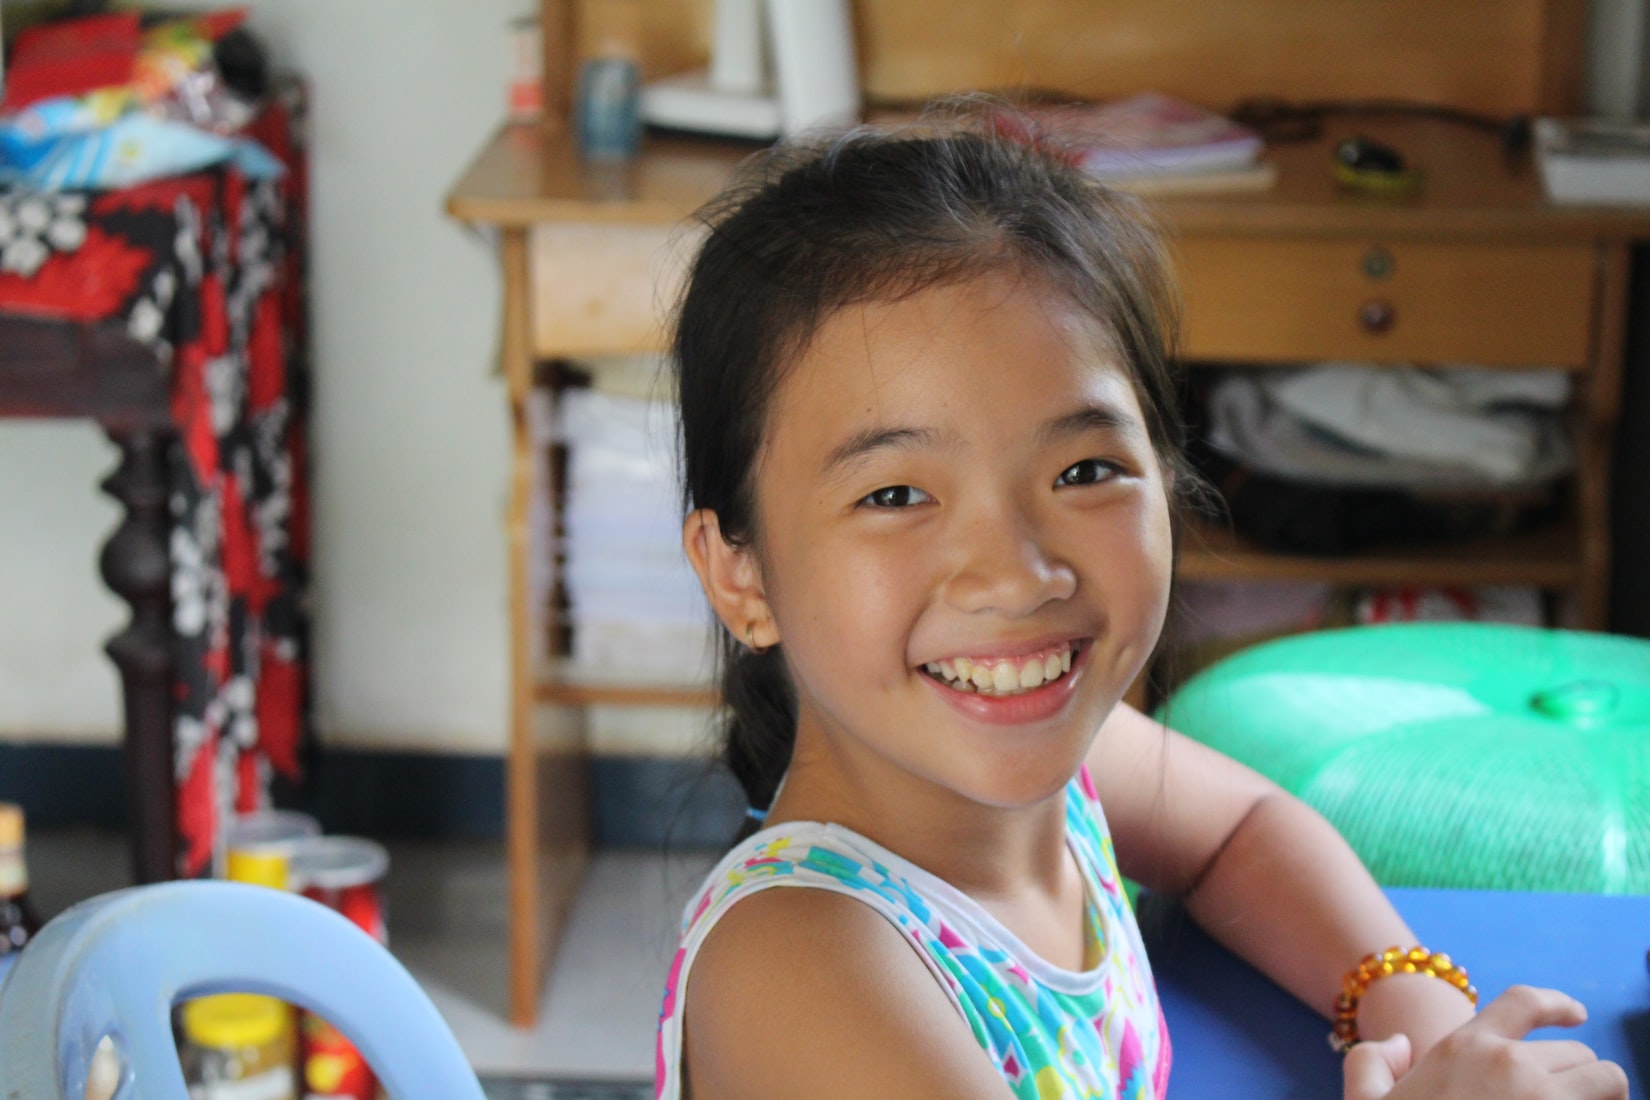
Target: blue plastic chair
{"points": [[115, 966]]}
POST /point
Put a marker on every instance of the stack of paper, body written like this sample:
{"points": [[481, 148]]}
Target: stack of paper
{"points": [[1593, 160], [637, 612]]}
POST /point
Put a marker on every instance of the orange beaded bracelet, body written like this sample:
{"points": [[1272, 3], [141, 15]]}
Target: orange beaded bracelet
{"points": [[1394, 960]]}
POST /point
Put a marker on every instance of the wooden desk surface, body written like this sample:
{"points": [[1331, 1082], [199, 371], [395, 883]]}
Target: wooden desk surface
{"points": [[1473, 188]]}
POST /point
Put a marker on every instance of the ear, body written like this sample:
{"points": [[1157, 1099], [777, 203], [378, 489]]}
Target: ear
{"points": [[732, 580]]}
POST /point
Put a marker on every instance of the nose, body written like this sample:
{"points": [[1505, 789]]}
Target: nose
{"points": [[1005, 566]]}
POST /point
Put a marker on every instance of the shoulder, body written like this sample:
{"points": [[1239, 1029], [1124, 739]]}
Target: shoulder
{"points": [[791, 980]]}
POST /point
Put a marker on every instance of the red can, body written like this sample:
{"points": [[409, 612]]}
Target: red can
{"points": [[343, 873]]}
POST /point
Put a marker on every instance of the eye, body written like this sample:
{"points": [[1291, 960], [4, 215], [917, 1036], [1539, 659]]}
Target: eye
{"points": [[895, 496], [1090, 471]]}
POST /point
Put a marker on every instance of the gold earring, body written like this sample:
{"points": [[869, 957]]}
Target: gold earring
{"points": [[750, 639]]}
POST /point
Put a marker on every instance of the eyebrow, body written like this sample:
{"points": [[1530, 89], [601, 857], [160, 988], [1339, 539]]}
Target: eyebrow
{"points": [[864, 443], [1097, 417]]}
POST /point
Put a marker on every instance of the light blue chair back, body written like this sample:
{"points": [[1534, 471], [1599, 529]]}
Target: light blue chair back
{"points": [[115, 966]]}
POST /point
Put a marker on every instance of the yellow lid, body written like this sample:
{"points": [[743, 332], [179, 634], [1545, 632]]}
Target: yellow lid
{"points": [[11, 825], [258, 868], [232, 1021]]}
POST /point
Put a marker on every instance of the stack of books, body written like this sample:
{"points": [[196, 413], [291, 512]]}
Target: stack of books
{"points": [[1153, 143]]}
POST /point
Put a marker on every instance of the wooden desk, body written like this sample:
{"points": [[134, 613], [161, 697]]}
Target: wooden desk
{"points": [[1237, 1036], [1477, 268]]}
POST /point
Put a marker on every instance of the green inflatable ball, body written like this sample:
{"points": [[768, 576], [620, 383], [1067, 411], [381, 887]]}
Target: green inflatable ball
{"points": [[1456, 755]]}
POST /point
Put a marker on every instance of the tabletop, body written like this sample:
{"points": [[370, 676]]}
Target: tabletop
{"points": [[1476, 187], [1237, 1036]]}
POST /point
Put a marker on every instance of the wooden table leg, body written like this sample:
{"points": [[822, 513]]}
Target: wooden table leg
{"points": [[137, 565]]}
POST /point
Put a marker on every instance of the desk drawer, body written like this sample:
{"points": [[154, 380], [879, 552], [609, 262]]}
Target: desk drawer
{"points": [[1511, 305], [605, 288]]}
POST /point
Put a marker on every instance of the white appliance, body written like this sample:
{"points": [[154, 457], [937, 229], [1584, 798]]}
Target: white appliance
{"points": [[777, 67]]}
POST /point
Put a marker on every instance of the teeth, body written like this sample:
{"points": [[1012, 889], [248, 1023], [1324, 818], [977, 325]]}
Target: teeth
{"points": [[1006, 677]]}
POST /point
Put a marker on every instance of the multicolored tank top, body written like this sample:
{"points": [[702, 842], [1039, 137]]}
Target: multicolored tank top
{"points": [[1051, 1032]]}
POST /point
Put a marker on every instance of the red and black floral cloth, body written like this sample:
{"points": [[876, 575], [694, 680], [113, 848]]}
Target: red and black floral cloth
{"points": [[208, 271]]}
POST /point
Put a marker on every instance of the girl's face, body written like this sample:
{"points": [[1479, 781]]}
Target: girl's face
{"points": [[965, 541]]}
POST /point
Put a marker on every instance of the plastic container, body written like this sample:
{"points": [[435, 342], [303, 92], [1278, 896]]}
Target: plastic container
{"points": [[1459, 755]]}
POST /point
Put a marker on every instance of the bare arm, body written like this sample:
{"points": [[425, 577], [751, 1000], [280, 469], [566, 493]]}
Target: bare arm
{"points": [[1269, 878], [1261, 872], [806, 994]]}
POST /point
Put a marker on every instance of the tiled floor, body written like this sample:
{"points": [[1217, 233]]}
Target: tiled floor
{"points": [[448, 920]]}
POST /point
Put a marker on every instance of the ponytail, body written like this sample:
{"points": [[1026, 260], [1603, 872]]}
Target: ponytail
{"points": [[760, 722]]}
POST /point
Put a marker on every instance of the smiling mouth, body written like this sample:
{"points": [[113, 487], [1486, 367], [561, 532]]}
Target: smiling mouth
{"points": [[1004, 676]]}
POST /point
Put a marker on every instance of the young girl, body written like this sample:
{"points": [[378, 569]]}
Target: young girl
{"points": [[932, 456]]}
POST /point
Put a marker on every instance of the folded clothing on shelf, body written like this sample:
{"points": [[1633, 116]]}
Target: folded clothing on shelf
{"points": [[1395, 427], [1342, 458]]}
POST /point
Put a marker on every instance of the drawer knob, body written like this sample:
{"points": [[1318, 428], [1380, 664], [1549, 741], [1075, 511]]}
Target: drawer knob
{"points": [[1378, 263], [1377, 315]]}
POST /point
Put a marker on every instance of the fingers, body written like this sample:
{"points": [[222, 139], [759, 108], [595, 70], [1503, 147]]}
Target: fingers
{"points": [[1523, 1008], [1559, 1055], [1595, 1081], [1371, 1069]]}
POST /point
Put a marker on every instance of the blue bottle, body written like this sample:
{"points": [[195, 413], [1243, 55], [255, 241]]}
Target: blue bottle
{"points": [[607, 112]]}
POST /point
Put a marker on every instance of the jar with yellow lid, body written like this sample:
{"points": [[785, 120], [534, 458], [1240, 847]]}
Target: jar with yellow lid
{"points": [[18, 922], [238, 1046]]}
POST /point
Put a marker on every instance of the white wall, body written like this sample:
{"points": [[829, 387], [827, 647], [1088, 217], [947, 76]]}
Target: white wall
{"points": [[1616, 85], [409, 423], [409, 427]]}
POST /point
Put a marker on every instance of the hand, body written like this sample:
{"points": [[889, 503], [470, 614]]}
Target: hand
{"points": [[1489, 1057]]}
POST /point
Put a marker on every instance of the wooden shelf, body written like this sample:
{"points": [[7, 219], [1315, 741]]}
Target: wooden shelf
{"points": [[560, 683], [1548, 558]]}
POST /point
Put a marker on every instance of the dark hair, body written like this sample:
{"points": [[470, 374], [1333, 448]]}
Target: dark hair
{"points": [[808, 229]]}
